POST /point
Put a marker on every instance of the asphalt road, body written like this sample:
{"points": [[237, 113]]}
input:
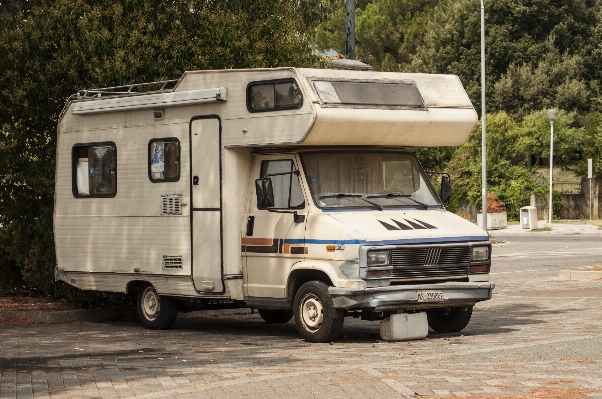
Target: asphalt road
{"points": [[533, 256], [539, 337]]}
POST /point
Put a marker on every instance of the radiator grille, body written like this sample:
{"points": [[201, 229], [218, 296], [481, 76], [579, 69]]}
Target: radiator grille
{"points": [[428, 262], [171, 204], [172, 262]]}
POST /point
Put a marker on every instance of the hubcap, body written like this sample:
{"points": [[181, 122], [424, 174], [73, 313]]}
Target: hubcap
{"points": [[150, 303], [312, 312]]}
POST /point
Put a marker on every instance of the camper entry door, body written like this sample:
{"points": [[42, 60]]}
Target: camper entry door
{"points": [[205, 164]]}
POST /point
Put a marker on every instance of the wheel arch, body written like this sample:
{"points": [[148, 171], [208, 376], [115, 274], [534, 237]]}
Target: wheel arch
{"points": [[303, 272], [133, 286]]}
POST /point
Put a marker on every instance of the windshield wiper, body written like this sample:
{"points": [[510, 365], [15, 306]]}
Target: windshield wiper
{"points": [[393, 195], [348, 195]]}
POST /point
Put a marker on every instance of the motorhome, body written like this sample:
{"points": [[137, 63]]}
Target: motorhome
{"points": [[291, 191]]}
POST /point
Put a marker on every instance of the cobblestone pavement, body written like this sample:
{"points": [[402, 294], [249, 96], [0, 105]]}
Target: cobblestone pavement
{"points": [[539, 337]]}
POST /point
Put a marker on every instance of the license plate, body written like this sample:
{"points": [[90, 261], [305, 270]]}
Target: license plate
{"points": [[430, 296]]}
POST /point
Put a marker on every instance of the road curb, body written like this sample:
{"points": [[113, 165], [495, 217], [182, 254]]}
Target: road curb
{"points": [[103, 314], [580, 274]]}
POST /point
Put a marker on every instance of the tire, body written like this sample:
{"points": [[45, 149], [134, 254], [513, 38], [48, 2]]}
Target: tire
{"points": [[316, 318], [275, 315], [449, 319], [156, 312]]}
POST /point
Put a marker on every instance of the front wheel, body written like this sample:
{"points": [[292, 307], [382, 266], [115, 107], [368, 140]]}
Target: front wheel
{"points": [[316, 318], [155, 311], [449, 319]]}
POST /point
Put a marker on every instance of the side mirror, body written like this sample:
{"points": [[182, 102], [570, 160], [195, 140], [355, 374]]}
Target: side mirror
{"points": [[445, 190], [265, 193]]}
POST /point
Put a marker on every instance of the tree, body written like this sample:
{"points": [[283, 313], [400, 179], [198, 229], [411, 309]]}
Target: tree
{"points": [[387, 31], [517, 33], [508, 176], [50, 49]]}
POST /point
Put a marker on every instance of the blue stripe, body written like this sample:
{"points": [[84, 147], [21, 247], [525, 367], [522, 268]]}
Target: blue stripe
{"points": [[336, 242], [387, 242], [429, 240]]}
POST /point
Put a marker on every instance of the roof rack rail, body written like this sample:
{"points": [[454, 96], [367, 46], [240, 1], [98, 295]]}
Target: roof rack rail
{"points": [[138, 88]]}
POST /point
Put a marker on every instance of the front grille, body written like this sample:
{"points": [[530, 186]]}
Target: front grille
{"points": [[430, 262]]}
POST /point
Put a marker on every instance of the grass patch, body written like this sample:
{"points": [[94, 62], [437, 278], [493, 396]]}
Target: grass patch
{"points": [[543, 229]]}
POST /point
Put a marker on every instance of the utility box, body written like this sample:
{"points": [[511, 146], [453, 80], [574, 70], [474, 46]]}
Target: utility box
{"points": [[528, 217], [404, 327]]}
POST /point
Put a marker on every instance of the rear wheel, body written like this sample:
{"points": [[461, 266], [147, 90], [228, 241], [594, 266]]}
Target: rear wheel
{"points": [[449, 319], [155, 311], [275, 315], [316, 318]]}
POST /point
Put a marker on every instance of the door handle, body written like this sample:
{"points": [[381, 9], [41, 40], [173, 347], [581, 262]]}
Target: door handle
{"points": [[250, 225], [195, 181]]}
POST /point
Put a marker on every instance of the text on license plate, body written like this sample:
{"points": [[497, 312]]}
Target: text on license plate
{"points": [[430, 296]]}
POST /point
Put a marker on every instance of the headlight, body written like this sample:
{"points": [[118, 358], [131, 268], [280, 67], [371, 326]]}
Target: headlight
{"points": [[480, 253], [379, 258]]}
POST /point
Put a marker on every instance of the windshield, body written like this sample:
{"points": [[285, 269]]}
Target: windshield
{"points": [[372, 179]]}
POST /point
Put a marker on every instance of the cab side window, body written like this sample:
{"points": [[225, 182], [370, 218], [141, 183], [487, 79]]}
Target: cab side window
{"points": [[94, 168], [285, 183]]}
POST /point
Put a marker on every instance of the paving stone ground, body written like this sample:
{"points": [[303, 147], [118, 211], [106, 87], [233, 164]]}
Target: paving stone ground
{"points": [[538, 338]]}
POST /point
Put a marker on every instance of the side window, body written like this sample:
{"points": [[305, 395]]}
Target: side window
{"points": [[164, 160], [274, 95], [94, 170], [285, 183]]}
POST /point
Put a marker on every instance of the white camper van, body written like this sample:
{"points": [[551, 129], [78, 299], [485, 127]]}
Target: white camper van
{"points": [[291, 191]]}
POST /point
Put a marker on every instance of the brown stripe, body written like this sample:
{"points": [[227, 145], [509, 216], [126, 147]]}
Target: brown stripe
{"points": [[264, 249], [286, 249], [257, 241], [298, 250]]}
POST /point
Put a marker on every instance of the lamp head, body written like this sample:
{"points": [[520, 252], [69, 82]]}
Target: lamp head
{"points": [[552, 115]]}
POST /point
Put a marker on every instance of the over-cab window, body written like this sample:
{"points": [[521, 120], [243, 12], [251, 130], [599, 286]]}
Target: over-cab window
{"points": [[274, 95], [285, 184], [368, 94], [164, 160], [94, 170]]}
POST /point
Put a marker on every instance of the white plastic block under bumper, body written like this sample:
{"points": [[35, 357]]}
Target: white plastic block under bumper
{"points": [[408, 297]]}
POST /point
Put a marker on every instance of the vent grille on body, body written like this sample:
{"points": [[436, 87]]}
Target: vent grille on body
{"points": [[171, 204], [172, 262]]}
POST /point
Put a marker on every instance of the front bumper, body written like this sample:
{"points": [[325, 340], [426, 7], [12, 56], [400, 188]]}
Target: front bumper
{"points": [[405, 297]]}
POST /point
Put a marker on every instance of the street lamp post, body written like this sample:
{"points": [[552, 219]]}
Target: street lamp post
{"points": [[483, 123], [552, 115]]}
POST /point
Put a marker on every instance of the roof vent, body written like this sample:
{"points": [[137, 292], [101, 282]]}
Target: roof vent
{"points": [[350, 65]]}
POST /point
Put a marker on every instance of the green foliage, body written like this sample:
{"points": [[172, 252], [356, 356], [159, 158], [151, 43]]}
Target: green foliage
{"points": [[50, 49], [520, 37], [557, 80], [387, 31], [510, 182], [534, 138]]}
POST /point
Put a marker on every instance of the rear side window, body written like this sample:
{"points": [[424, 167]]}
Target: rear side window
{"points": [[274, 95], [94, 170], [164, 160]]}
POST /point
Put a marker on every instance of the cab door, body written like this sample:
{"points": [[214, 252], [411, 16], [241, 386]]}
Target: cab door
{"points": [[275, 238]]}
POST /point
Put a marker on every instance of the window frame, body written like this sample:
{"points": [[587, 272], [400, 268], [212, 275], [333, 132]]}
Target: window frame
{"points": [[274, 82], [290, 188], [167, 140], [74, 158], [323, 104]]}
